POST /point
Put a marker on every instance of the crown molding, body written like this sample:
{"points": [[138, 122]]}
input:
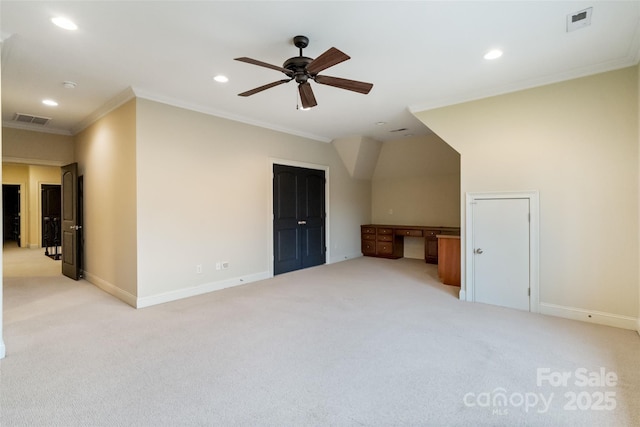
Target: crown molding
{"points": [[35, 128], [629, 61], [115, 102], [140, 93]]}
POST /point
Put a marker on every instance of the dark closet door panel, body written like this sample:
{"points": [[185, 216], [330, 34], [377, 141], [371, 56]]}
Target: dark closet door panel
{"points": [[298, 218]]}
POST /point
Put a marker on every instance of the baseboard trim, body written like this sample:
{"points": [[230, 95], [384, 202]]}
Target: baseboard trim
{"points": [[590, 316], [345, 257], [110, 288], [462, 295], [199, 290]]}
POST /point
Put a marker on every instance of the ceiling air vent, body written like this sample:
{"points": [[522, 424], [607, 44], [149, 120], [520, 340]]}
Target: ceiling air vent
{"points": [[579, 19], [29, 118]]}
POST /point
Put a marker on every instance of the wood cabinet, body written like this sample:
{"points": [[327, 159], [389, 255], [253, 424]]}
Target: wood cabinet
{"points": [[388, 240], [449, 259], [380, 242]]}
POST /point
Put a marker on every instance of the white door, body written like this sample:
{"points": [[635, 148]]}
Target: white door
{"points": [[500, 252]]}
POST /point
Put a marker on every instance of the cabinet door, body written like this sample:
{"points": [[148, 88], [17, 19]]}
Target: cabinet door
{"points": [[431, 246], [368, 247]]}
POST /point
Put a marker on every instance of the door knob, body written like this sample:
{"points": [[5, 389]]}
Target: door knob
{"points": [[302, 222], [478, 251]]}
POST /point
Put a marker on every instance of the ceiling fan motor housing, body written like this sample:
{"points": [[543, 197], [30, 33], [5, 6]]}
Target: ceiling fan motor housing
{"points": [[298, 65]]}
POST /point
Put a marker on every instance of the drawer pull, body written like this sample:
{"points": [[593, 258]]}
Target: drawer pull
{"points": [[302, 222]]}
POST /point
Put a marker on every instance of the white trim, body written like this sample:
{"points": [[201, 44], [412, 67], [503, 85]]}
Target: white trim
{"points": [[110, 288], [277, 161], [345, 257], [35, 128], [24, 211], [503, 89], [3, 349], [115, 102], [590, 316], [33, 162], [534, 238], [199, 290], [225, 115]]}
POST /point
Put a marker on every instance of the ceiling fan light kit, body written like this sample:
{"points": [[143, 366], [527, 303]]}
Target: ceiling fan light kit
{"points": [[303, 69]]}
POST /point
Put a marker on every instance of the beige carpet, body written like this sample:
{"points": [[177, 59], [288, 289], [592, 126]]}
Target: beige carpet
{"points": [[368, 342]]}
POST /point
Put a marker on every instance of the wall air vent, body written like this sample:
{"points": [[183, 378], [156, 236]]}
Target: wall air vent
{"points": [[579, 19], [31, 119]]}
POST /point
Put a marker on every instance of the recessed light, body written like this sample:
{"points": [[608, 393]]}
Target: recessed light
{"points": [[69, 85], [50, 102], [65, 23], [493, 54], [221, 79], [381, 123]]}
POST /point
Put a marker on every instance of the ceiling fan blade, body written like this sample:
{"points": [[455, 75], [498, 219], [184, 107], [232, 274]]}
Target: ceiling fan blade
{"points": [[264, 64], [306, 95], [328, 59], [265, 87], [353, 85]]}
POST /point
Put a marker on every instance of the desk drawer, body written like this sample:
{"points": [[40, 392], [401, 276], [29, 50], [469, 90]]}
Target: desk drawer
{"points": [[368, 248], [368, 230], [368, 237], [385, 238], [411, 233], [385, 231], [384, 248], [431, 233]]}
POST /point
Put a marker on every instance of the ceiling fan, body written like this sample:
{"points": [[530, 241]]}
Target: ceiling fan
{"points": [[303, 69]]}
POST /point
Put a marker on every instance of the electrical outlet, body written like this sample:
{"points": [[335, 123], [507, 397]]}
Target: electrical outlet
{"points": [[218, 266], [199, 269]]}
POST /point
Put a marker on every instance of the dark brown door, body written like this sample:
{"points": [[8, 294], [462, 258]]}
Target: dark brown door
{"points": [[70, 227], [298, 218]]}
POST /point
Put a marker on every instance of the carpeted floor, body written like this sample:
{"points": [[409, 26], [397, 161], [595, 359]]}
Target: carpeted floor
{"points": [[369, 341]]}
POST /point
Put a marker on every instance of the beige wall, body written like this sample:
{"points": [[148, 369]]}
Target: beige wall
{"points": [[30, 178], [577, 143], [204, 191], [24, 146], [417, 182], [106, 156]]}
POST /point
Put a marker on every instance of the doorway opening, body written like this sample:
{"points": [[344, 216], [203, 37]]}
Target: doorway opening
{"points": [[11, 213]]}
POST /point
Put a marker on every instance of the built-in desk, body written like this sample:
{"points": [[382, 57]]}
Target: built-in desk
{"points": [[387, 241]]}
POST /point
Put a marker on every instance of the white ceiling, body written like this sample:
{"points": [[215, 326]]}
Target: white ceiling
{"points": [[418, 55]]}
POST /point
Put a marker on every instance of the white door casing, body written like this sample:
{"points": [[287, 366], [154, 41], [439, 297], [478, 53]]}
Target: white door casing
{"points": [[501, 249]]}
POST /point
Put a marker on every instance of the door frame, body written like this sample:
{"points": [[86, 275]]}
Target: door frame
{"points": [[327, 230], [534, 242], [23, 211]]}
